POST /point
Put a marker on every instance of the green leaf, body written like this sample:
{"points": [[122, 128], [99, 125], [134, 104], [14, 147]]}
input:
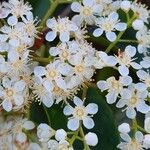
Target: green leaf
{"points": [[40, 7], [105, 126]]}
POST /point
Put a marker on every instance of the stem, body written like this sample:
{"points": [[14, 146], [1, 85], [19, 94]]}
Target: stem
{"points": [[141, 129], [128, 41], [47, 114], [134, 127], [74, 137], [49, 13], [41, 59], [120, 35], [86, 147]]}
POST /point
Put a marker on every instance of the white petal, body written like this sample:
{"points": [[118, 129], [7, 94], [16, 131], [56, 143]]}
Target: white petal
{"points": [[139, 136], [111, 97], [12, 20], [111, 36], [48, 102], [142, 74], [68, 110], [131, 113], [136, 65], [14, 42], [121, 26], [140, 86], [98, 32], [121, 103], [50, 36], [77, 19], [125, 137], [88, 122], [21, 137], [61, 83], [48, 85], [102, 85], [111, 61], [19, 86], [54, 51], [28, 125], [88, 3], [126, 80], [130, 50], [143, 107], [51, 23], [60, 135], [114, 16], [18, 99], [123, 70], [39, 71], [92, 108], [64, 36], [7, 105], [124, 128], [91, 139], [73, 124], [76, 7], [77, 101]]}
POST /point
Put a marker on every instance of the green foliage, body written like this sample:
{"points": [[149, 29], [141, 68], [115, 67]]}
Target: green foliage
{"points": [[105, 126]]}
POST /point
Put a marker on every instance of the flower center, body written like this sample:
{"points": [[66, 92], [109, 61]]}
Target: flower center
{"points": [[86, 11], [52, 73], [79, 68], [134, 145], [79, 112], [124, 59], [9, 92], [133, 101], [107, 26], [64, 54], [60, 28]]}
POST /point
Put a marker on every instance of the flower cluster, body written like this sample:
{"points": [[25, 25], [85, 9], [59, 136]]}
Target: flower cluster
{"points": [[65, 65]]}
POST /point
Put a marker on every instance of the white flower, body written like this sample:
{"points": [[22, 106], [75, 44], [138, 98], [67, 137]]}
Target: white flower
{"points": [[103, 60], [131, 144], [62, 26], [137, 24], [141, 11], [60, 135], [143, 37], [52, 75], [114, 87], [126, 5], [44, 132], [3, 11], [125, 60], [20, 124], [18, 9], [80, 113], [109, 25], [91, 139], [86, 12], [145, 63], [124, 128], [34, 146], [62, 145], [144, 77], [12, 94], [15, 35], [41, 93], [132, 99], [18, 65], [146, 141], [147, 124]]}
